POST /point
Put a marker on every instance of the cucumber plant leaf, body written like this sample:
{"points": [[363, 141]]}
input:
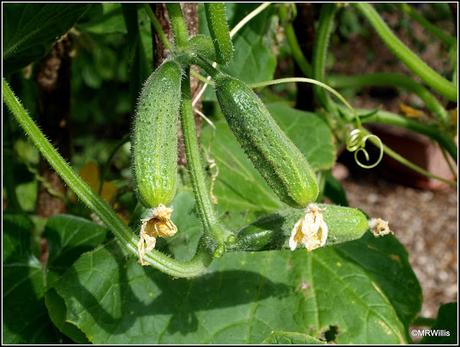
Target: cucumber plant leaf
{"points": [[112, 299], [25, 318], [290, 338], [68, 237], [31, 29], [26, 278]]}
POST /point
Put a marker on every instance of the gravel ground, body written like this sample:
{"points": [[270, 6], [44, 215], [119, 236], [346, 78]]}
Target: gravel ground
{"points": [[425, 222]]}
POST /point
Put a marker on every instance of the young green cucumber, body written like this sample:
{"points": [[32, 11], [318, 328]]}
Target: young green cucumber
{"points": [[202, 45], [273, 154], [154, 136], [274, 231], [218, 28]]}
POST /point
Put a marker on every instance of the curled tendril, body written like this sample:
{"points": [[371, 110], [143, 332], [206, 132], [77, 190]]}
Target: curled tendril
{"points": [[356, 142]]}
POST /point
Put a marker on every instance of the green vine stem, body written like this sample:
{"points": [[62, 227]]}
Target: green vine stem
{"points": [[179, 27], [448, 161], [233, 32], [409, 58], [248, 18], [447, 39], [291, 38], [127, 239], [156, 24], [392, 79], [379, 116], [389, 118], [215, 235], [320, 49], [304, 80], [396, 156]]}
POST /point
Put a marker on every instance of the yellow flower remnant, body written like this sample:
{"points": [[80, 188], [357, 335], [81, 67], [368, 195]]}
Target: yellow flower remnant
{"points": [[379, 227], [410, 112], [157, 224], [311, 230]]}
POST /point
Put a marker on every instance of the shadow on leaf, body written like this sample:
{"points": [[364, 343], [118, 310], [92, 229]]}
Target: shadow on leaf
{"points": [[123, 291]]}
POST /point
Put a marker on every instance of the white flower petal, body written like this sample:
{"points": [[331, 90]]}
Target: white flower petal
{"points": [[294, 234]]}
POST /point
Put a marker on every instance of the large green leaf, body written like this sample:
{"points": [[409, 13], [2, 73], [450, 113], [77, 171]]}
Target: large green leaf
{"points": [[24, 282], [183, 245], [385, 260], [26, 279], [290, 338], [239, 186], [68, 237], [108, 21], [57, 313], [242, 299], [31, 29], [254, 58]]}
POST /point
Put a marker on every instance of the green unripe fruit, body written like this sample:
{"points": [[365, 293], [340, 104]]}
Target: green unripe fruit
{"points": [[203, 46], [218, 28], [273, 231], [273, 154], [154, 136]]}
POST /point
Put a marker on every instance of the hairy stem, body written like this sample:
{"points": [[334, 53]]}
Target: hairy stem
{"points": [[233, 32], [291, 37], [215, 235], [320, 49], [409, 58], [124, 235], [178, 24]]}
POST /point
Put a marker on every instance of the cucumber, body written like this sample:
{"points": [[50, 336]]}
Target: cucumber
{"points": [[154, 136], [272, 153], [218, 28], [273, 231], [203, 46]]}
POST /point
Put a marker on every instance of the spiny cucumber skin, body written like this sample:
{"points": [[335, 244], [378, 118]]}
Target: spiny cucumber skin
{"points": [[154, 136], [273, 154], [344, 223], [218, 28], [203, 45], [273, 231]]}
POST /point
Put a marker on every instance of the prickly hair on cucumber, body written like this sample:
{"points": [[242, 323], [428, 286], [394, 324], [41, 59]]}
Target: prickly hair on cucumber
{"points": [[273, 154], [154, 136], [273, 231], [218, 28]]}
